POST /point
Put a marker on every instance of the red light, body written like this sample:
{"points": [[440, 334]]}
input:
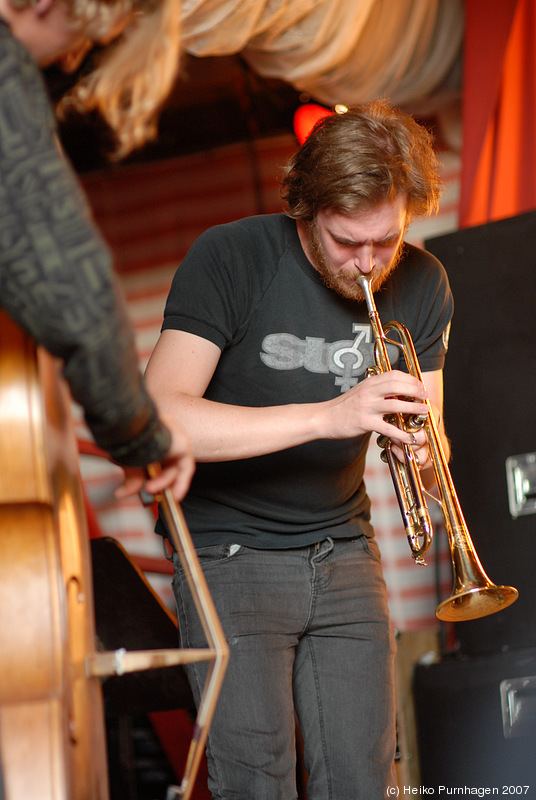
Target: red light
{"points": [[305, 118]]}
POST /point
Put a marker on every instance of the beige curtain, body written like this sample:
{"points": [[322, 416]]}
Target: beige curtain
{"points": [[339, 51]]}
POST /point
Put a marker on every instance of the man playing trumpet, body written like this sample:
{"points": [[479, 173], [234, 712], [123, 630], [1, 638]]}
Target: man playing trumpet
{"points": [[263, 357]]}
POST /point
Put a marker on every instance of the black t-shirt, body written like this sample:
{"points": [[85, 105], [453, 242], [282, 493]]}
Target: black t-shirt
{"points": [[286, 338]]}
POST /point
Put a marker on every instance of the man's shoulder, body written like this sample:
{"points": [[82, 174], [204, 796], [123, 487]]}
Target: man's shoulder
{"points": [[244, 253], [420, 266], [258, 240], [418, 257], [259, 226]]}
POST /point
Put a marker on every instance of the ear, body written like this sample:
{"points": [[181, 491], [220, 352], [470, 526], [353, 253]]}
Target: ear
{"points": [[42, 7]]}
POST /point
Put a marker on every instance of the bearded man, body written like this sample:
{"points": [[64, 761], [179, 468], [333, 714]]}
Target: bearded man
{"points": [[263, 357]]}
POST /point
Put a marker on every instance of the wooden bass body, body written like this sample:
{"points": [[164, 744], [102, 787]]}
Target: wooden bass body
{"points": [[52, 737]]}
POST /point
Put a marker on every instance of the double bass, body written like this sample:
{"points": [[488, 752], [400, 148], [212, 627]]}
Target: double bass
{"points": [[52, 731], [52, 736]]}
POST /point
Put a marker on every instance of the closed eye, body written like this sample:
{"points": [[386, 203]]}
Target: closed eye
{"points": [[387, 242], [391, 242]]}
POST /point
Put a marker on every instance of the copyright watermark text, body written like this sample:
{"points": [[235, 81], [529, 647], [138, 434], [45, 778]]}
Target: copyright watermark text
{"points": [[459, 791]]}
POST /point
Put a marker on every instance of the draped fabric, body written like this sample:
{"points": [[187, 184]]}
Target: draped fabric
{"points": [[338, 51], [408, 51], [499, 111]]}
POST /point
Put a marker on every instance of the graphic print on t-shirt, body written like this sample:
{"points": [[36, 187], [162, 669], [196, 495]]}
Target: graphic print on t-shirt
{"points": [[347, 359]]}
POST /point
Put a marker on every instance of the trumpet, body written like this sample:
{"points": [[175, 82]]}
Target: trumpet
{"points": [[473, 594]]}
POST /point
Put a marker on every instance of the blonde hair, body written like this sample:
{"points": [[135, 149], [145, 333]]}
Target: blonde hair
{"points": [[133, 75]]}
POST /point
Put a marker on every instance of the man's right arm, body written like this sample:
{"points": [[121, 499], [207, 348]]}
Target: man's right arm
{"points": [[181, 368]]}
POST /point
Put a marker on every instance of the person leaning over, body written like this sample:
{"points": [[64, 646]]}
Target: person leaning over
{"points": [[56, 277]]}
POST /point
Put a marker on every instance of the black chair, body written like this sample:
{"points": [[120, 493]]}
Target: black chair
{"points": [[130, 615]]}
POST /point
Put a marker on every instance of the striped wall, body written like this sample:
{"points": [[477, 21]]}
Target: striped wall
{"points": [[150, 214]]}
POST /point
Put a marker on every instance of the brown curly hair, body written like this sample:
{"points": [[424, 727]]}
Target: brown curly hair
{"points": [[361, 158]]}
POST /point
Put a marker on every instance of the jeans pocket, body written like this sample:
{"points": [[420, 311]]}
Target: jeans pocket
{"points": [[212, 555], [370, 546]]}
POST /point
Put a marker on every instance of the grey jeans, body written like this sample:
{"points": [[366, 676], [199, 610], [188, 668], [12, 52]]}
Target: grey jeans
{"points": [[310, 639]]}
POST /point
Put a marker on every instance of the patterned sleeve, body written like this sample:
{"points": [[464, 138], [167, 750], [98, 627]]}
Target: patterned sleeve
{"points": [[56, 278]]}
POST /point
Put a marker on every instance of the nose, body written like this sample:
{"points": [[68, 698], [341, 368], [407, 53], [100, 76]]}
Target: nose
{"points": [[364, 259]]}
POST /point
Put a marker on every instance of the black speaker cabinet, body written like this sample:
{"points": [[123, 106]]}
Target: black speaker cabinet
{"points": [[490, 400], [476, 724]]}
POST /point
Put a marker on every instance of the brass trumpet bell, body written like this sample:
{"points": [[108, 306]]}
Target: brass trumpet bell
{"points": [[477, 602], [473, 594]]}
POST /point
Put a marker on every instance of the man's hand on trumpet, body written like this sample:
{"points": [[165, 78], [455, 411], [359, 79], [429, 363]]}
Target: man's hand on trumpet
{"points": [[419, 448]]}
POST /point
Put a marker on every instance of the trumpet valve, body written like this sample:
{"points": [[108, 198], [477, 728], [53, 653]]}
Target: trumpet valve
{"points": [[415, 422]]}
